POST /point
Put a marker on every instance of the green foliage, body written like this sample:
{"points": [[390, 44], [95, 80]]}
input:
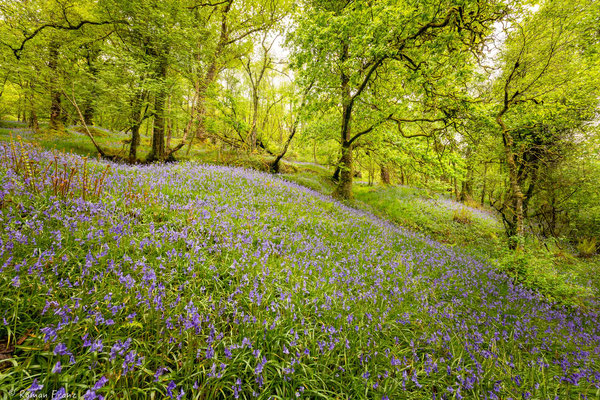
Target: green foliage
{"points": [[543, 267], [538, 271], [462, 215], [587, 247], [433, 215], [545, 97], [370, 60]]}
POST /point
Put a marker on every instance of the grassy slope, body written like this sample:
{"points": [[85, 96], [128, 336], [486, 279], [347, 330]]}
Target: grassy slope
{"points": [[553, 271], [543, 266], [74, 140], [239, 283]]}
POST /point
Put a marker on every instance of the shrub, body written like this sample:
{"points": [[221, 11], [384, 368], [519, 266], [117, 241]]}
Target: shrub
{"points": [[587, 247], [470, 202], [463, 216], [537, 273]]}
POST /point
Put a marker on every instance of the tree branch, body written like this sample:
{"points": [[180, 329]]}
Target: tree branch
{"points": [[17, 51], [200, 5], [82, 119]]}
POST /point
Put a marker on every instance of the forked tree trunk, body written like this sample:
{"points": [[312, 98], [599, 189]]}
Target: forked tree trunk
{"points": [[276, 163]]}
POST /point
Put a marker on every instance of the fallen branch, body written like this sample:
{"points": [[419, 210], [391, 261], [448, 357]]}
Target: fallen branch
{"points": [[82, 120]]}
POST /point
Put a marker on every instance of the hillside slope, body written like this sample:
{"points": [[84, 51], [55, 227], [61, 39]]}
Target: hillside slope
{"points": [[213, 282]]}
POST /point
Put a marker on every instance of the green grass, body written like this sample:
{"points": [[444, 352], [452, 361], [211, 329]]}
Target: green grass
{"points": [[75, 140], [11, 124], [319, 182], [426, 212], [554, 272]]}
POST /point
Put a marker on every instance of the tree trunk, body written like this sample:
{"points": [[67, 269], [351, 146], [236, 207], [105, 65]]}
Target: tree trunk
{"points": [[158, 132], [89, 106], [385, 174], [135, 142], [200, 106], [253, 130], [136, 119], [56, 122], [346, 173], [344, 187], [88, 112], [455, 182], [532, 185], [275, 165], [210, 76], [188, 128], [82, 121], [19, 106], [169, 124], [402, 176], [336, 174], [32, 121], [466, 187], [484, 184], [514, 182]]}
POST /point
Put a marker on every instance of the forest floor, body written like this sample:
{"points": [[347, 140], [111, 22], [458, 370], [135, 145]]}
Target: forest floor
{"points": [[208, 281]]}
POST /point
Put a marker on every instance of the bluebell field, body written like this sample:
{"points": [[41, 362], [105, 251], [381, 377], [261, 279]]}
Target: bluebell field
{"points": [[198, 282]]}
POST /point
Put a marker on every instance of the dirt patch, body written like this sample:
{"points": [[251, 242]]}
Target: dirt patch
{"points": [[7, 349]]}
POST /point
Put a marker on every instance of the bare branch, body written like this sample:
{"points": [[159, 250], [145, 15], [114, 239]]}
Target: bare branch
{"points": [[82, 120]]}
